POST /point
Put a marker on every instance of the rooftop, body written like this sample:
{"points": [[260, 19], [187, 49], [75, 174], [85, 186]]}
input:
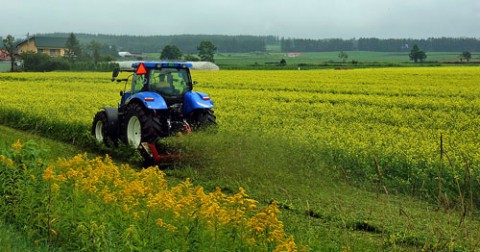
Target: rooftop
{"points": [[50, 42]]}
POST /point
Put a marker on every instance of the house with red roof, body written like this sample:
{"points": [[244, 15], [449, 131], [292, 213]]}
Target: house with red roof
{"points": [[4, 55]]}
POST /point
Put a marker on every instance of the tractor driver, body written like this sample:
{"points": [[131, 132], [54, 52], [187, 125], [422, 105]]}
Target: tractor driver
{"points": [[138, 85], [157, 82]]}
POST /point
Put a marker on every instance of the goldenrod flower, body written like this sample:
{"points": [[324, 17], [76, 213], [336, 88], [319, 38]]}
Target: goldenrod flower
{"points": [[147, 193], [48, 173], [169, 227], [17, 145], [60, 178], [288, 245]]}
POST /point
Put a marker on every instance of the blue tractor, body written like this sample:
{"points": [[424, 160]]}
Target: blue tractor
{"points": [[161, 102]]}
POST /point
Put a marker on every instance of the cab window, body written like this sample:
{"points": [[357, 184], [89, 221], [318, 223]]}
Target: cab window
{"points": [[169, 81]]}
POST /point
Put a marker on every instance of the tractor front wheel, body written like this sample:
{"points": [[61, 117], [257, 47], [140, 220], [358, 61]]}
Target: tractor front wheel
{"points": [[140, 125], [103, 130]]}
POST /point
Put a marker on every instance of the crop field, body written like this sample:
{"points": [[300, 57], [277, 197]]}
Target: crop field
{"points": [[410, 131], [397, 116]]}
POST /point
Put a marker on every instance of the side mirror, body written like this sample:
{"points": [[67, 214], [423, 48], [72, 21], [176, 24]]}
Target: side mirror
{"points": [[115, 73]]}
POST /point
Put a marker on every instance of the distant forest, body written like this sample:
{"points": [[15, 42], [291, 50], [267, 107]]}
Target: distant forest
{"points": [[246, 43], [381, 45], [187, 43]]}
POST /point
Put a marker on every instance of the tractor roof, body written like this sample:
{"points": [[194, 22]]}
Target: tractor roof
{"points": [[162, 64]]}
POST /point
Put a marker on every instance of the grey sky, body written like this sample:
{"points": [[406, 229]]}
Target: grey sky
{"points": [[285, 18]]}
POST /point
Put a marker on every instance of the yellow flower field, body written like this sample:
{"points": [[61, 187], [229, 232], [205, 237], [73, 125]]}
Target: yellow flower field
{"points": [[395, 115]]}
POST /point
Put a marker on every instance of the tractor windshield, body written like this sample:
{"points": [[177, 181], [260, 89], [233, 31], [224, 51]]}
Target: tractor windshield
{"points": [[169, 81]]}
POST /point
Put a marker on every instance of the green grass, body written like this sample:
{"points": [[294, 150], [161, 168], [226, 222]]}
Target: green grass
{"points": [[54, 149], [229, 59], [4, 66], [12, 240], [308, 60], [274, 47]]}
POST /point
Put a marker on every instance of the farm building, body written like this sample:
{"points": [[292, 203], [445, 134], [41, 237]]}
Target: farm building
{"points": [[4, 55], [54, 47]]}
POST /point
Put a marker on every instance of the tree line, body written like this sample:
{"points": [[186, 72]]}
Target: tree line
{"points": [[246, 43], [443, 44], [186, 43]]}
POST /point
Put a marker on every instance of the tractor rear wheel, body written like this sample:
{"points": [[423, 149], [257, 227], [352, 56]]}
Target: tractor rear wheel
{"points": [[102, 129], [140, 125], [202, 119]]}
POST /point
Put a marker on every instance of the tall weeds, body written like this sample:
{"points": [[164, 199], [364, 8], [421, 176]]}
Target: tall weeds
{"points": [[109, 207]]}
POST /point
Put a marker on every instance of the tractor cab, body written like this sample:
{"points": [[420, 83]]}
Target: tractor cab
{"points": [[170, 80]]}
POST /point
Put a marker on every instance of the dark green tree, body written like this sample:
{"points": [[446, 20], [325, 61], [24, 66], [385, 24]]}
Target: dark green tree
{"points": [[466, 55], [10, 48], [171, 52], [74, 50], [95, 48], [417, 55], [206, 51]]}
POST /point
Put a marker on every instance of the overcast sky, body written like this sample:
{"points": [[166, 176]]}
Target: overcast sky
{"points": [[285, 18]]}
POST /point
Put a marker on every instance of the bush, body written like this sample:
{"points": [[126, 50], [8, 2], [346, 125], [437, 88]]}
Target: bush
{"points": [[40, 62]]}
